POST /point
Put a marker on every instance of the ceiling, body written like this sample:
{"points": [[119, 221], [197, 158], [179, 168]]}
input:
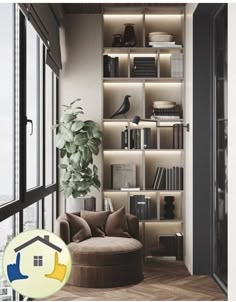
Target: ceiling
{"points": [[96, 8]]}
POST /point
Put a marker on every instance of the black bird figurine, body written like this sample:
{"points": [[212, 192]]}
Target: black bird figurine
{"points": [[124, 108]]}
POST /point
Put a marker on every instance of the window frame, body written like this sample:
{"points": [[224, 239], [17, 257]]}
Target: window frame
{"points": [[27, 198]]}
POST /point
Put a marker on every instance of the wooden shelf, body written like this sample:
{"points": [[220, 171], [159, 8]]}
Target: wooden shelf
{"points": [[145, 150], [162, 220], [141, 191], [143, 80], [139, 50]]}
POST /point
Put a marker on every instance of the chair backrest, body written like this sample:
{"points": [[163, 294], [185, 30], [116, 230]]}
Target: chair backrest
{"points": [[63, 227]]}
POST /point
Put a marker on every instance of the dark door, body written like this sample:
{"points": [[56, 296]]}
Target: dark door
{"points": [[220, 192]]}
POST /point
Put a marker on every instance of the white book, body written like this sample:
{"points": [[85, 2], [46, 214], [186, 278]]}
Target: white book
{"points": [[162, 42], [130, 189], [110, 205]]}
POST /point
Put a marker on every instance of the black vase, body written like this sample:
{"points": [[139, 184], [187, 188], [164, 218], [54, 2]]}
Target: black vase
{"points": [[116, 42], [169, 207], [129, 35]]}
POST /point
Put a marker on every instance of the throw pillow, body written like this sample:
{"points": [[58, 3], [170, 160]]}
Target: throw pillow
{"points": [[79, 228], [117, 225], [96, 221]]}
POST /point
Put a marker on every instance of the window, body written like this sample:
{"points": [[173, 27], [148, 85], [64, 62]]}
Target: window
{"points": [[38, 260], [7, 101], [33, 107], [29, 88], [8, 229]]}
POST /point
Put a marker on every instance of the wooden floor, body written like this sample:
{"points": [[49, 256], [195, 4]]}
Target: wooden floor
{"points": [[162, 281]]}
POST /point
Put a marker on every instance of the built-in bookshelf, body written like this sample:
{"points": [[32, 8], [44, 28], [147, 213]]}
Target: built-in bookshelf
{"points": [[162, 151]]}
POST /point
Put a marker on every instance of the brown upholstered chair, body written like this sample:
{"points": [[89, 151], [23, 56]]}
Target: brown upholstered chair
{"points": [[104, 261]]}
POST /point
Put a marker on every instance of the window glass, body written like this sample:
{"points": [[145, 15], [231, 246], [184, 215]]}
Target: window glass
{"points": [[7, 103], [8, 229], [30, 217], [34, 107], [48, 124], [48, 212]]}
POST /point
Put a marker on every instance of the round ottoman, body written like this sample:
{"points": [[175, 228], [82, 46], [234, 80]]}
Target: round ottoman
{"points": [[106, 262]]}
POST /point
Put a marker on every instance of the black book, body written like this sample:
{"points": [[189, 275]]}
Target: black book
{"points": [[106, 60], [181, 178], [146, 138], [168, 245], [144, 59], [180, 136], [154, 186], [148, 207], [179, 246], [138, 138], [122, 139], [144, 75], [131, 138], [132, 205], [161, 182]]}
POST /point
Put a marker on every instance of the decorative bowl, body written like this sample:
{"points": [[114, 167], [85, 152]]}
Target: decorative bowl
{"points": [[163, 104], [160, 38]]}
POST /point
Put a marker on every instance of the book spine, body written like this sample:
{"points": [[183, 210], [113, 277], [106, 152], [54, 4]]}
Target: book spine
{"points": [[179, 246], [122, 139], [131, 139]]}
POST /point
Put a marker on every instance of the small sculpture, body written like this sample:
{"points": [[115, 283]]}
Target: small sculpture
{"points": [[124, 108]]}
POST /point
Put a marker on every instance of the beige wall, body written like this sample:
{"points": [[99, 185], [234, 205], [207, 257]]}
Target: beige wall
{"points": [[231, 152], [81, 75], [188, 110]]}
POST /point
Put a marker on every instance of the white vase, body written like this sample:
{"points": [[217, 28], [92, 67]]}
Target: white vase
{"points": [[81, 203]]}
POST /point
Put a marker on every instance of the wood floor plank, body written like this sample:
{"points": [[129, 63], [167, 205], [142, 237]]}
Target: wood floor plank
{"points": [[166, 281]]}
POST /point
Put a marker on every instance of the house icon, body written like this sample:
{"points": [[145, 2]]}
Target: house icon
{"points": [[38, 259], [36, 263]]}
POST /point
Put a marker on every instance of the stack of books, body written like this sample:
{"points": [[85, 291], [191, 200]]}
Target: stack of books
{"points": [[144, 67], [178, 136], [164, 44], [110, 67], [140, 206], [137, 138], [167, 113], [177, 65], [168, 179]]}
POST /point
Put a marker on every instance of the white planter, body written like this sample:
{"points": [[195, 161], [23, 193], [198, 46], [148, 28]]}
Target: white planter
{"points": [[81, 203]]}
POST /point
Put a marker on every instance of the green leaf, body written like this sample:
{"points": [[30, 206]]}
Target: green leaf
{"points": [[95, 169], [62, 166], [77, 126], [95, 141], [81, 139], [60, 141], [77, 100], [75, 157], [93, 148], [68, 136], [90, 123], [97, 134], [67, 192], [86, 155], [68, 117], [62, 153], [71, 148], [67, 176]]}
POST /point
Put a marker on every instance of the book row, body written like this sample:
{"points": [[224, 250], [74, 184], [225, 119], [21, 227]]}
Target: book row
{"points": [[136, 138], [168, 179], [140, 206]]}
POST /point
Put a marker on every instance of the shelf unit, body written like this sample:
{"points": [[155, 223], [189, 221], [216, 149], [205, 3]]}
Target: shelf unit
{"points": [[143, 92]]}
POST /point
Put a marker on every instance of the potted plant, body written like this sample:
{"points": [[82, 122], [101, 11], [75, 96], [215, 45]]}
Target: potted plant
{"points": [[78, 142]]}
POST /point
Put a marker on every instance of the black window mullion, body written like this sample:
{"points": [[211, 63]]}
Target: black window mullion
{"points": [[22, 110]]}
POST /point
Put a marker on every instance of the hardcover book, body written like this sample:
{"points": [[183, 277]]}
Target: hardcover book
{"points": [[123, 175]]}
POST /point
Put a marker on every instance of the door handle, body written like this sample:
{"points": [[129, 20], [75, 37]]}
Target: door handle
{"points": [[32, 127]]}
